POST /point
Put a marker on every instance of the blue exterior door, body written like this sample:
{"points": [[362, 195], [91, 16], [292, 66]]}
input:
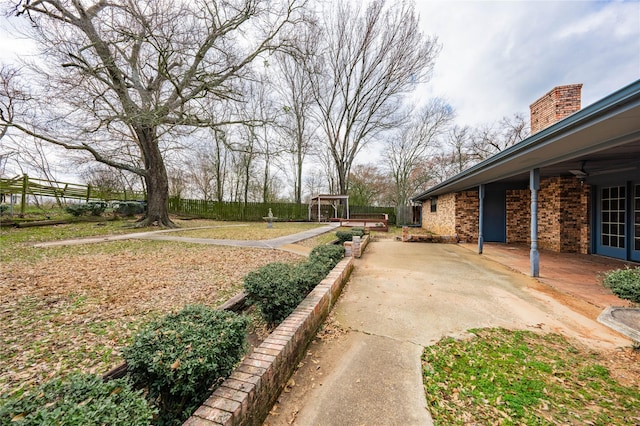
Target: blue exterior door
{"points": [[495, 213]]}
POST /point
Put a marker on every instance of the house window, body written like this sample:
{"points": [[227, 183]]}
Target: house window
{"points": [[434, 204], [613, 217]]}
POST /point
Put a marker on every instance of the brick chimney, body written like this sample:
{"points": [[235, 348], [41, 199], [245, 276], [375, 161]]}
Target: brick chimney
{"points": [[558, 103]]}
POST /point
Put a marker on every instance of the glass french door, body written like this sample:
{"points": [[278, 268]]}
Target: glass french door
{"points": [[635, 235], [618, 226]]}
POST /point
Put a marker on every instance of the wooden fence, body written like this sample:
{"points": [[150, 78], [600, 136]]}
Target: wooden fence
{"points": [[252, 212], [25, 186]]}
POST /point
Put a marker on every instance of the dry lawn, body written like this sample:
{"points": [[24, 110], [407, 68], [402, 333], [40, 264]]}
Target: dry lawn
{"points": [[246, 231], [74, 307]]}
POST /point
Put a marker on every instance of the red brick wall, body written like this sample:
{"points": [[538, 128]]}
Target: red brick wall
{"points": [[519, 216], [585, 221], [575, 219], [442, 221], [549, 214], [570, 215], [555, 105], [246, 397], [466, 214], [563, 215]]}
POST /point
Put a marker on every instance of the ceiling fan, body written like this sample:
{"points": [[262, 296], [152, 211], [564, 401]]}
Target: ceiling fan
{"points": [[582, 173]]}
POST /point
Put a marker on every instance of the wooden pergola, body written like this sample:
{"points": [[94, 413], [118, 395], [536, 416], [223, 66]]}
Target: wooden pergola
{"points": [[326, 199]]}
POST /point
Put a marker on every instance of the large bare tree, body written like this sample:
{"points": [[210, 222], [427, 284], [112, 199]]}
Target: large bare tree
{"points": [[12, 96], [409, 147], [117, 74], [295, 91], [20, 154], [369, 185], [490, 139], [368, 58]]}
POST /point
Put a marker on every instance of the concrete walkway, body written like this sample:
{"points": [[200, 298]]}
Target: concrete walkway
{"points": [[282, 243], [401, 298]]}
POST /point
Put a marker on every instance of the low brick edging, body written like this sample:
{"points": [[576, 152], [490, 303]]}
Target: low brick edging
{"points": [[354, 248], [427, 238], [246, 397]]}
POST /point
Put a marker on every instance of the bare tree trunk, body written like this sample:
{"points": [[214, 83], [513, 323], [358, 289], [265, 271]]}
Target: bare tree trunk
{"points": [[298, 184], [156, 180], [265, 185], [247, 176], [220, 164]]}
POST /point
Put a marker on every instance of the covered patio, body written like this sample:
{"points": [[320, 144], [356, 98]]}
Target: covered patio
{"points": [[573, 276], [572, 187]]}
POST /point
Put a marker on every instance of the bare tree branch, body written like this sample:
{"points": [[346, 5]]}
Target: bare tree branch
{"points": [[368, 59], [125, 77]]}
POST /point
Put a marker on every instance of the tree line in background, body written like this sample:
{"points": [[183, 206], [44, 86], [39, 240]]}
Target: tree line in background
{"points": [[242, 100]]}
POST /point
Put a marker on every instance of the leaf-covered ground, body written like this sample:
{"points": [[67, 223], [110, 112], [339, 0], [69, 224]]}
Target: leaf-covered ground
{"points": [[74, 307], [505, 377]]}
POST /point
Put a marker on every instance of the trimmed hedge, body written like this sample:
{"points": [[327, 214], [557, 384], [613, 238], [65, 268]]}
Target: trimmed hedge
{"points": [[130, 208], [80, 399], [179, 358], [624, 283], [94, 208], [328, 254], [344, 236], [275, 290], [278, 288]]}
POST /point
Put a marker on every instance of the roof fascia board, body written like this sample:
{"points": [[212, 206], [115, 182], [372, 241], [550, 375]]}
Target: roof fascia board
{"points": [[619, 101]]}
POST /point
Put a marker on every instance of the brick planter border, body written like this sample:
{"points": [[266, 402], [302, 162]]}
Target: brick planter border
{"points": [[246, 397], [356, 249]]}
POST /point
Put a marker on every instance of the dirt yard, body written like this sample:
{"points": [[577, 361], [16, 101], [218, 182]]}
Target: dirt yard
{"points": [[74, 308]]}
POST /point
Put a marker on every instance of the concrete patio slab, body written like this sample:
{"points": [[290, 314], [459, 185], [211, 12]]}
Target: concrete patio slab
{"points": [[401, 298], [623, 320]]}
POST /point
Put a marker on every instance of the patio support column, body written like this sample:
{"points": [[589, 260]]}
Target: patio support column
{"points": [[348, 208], [480, 218], [534, 256]]}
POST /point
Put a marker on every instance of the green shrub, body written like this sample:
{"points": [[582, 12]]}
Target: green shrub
{"points": [[81, 399], [308, 275], [344, 236], [278, 288], [129, 208], [3, 208], [76, 209], [180, 357], [624, 283], [96, 208], [329, 254], [275, 290]]}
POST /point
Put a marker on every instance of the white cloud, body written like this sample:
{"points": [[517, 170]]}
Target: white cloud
{"points": [[13, 44], [499, 57]]}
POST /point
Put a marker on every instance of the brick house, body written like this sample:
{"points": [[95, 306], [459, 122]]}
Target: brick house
{"points": [[572, 186]]}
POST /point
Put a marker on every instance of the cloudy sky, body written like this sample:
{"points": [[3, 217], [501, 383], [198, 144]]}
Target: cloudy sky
{"points": [[499, 56]]}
